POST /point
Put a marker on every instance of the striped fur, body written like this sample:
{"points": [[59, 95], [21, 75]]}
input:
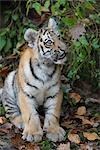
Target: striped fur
{"points": [[36, 82]]}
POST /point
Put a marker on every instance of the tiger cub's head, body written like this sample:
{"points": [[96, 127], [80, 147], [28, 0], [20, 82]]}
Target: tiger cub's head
{"points": [[47, 40]]}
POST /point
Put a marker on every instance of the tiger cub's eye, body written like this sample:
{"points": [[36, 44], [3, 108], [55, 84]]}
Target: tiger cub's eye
{"points": [[49, 42]]}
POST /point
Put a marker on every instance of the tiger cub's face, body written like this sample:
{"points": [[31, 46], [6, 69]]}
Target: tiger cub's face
{"points": [[48, 42], [51, 47]]}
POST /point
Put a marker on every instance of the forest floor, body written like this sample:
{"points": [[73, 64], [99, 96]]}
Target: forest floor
{"points": [[80, 117]]}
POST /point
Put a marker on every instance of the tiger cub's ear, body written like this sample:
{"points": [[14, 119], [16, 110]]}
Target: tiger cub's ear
{"points": [[30, 36], [52, 25]]}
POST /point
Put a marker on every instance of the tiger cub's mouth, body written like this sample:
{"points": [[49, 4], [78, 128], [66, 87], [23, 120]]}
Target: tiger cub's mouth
{"points": [[59, 59]]}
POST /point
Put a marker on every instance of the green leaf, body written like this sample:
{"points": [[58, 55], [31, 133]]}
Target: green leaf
{"points": [[95, 17], [77, 44], [62, 2], [2, 111], [95, 43], [79, 11], [2, 42], [53, 9], [15, 17], [46, 145], [37, 7], [4, 31], [89, 6], [84, 41], [8, 45], [69, 21], [47, 4], [12, 34]]}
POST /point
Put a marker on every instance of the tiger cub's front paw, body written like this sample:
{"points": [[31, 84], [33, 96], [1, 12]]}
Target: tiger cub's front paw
{"points": [[56, 135], [17, 121], [35, 136]]}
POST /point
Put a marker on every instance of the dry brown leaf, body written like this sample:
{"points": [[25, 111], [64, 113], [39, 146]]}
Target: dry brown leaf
{"points": [[21, 147], [6, 127], [81, 111], [77, 31], [86, 147], [64, 146], [93, 100], [67, 124], [75, 96], [4, 71], [85, 120], [91, 136], [74, 138], [2, 120], [36, 147]]}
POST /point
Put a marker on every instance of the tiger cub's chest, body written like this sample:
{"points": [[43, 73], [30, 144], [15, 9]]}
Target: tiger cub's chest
{"points": [[44, 72], [48, 84]]}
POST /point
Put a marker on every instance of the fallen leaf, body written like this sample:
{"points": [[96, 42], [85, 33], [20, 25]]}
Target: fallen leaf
{"points": [[85, 120], [75, 96], [4, 71], [64, 146], [86, 147], [93, 100], [77, 31], [91, 136], [2, 120], [21, 147], [74, 138], [6, 127], [67, 124], [36, 147], [81, 111]]}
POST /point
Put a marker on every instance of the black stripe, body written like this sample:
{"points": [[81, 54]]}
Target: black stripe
{"points": [[13, 81], [47, 46], [41, 40], [9, 101], [11, 110], [29, 118], [44, 32], [38, 49], [31, 85], [52, 85], [42, 48], [32, 71], [7, 96], [51, 106], [13, 85], [53, 72], [50, 97], [11, 113], [11, 106], [30, 96], [57, 118], [62, 56], [46, 52]]}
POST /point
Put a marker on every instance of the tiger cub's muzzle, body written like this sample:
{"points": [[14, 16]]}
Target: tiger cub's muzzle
{"points": [[59, 57]]}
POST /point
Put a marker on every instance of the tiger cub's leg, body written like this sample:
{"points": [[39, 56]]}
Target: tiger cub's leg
{"points": [[12, 109], [32, 130], [52, 114], [17, 121]]}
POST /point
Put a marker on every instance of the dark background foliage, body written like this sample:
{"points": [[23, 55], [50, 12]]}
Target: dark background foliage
{"points": [[84, 48]]}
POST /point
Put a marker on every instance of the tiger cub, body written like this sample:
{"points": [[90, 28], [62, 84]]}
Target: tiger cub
{"points": [[37, 82]]}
